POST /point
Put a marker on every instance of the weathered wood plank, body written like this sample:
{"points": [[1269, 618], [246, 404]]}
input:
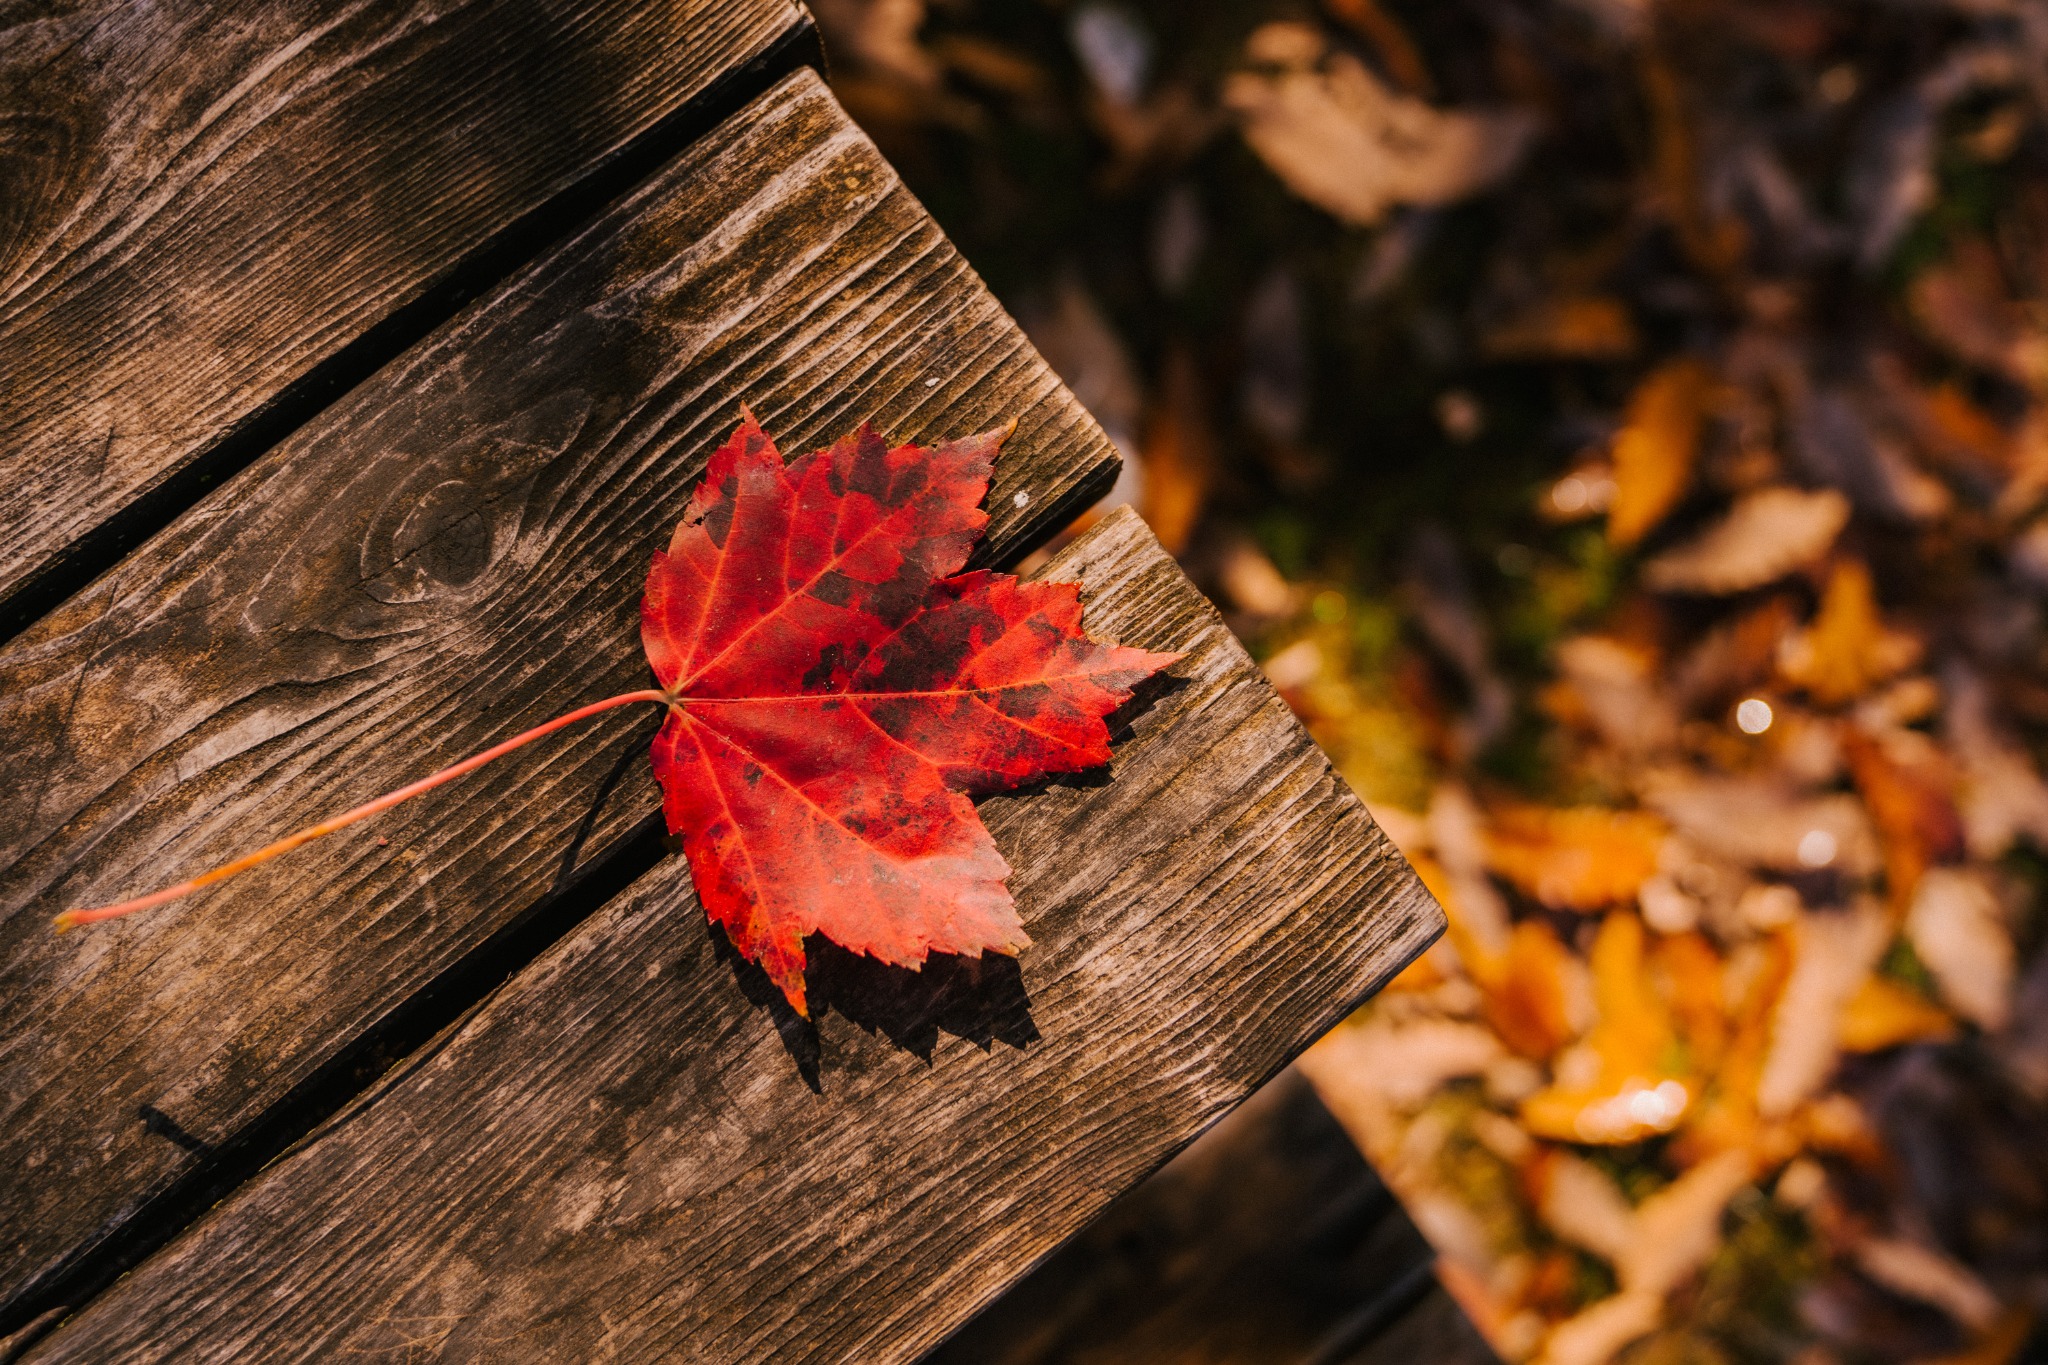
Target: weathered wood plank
{"points": [[1269, 1241], [453, 553], [615, 1158], [200, 200]]}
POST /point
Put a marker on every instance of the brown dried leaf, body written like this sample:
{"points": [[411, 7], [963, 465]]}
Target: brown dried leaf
{"points": [[1614, 693], [1922, 1273], [1755, 822], [1732, 657], [1594, 1335], [1396, 50], [1253, 584], [1571, 327], [1403, 1064], [2000, 796], [1765, 536], [1832, 955], [1679, 1226], [1843, 438], [1478, 915], [1957, 431], [1965, 305], [1582, 1205], [1956, 928], [1340, 139]]}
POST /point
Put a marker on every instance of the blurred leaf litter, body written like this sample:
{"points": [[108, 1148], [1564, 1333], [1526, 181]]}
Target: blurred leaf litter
{"points": [[1621, 427]]}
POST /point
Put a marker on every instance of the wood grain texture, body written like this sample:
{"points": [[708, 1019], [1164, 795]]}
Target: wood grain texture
{"points": [[200, 199], [618, 1158], [1269, 1241], [451, 554]]}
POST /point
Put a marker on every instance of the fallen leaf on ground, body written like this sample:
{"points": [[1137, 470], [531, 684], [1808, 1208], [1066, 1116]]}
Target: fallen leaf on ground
{"points": [[2001, 796], [1396, 50], [841, 689], [1179, 454], [1922, 1273], [1757, 822], [1755, 979], [1584, 858], [1618, 693], [1690, 970], [882, 36], [1964, 304], [1339, 138], [1832, 954], [1400, 1064], [1526, 992], [1594, 1334], [1655, 448], [1251, 583], [1957, 432], [1459, 838], [1573, 327], [1905, 783], [1765, 536], [1678, 1227], [1841, 437], [1848, 649], [1629, 1092], [1957, 931], [1882, 1013], [1582, 1205]]}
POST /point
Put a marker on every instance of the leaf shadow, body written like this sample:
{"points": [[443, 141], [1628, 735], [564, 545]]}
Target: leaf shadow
{"points": [[982, 1000], [1146, 697], [634, 747]]}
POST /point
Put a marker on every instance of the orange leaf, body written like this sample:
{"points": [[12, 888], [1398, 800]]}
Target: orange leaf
{"points": [[1574, 327], [1526, 1005], [1690, 971], [1728, 1118], [1908, 799], [1634, 1032], [1584, 858], [1629, 1111], [1180, 456], [1655, 449], [1885, 1014], [1634, 1095], [1847, 649], [1966, 429]]}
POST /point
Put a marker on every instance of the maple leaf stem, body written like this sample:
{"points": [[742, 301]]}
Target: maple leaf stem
{"points": [[385, 802]]}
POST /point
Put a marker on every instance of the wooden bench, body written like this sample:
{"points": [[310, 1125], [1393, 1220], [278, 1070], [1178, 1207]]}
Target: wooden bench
{"points": [[292, 518]]}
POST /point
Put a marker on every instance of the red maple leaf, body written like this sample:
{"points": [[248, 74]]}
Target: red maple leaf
{"points": [[837, 689], [840, 690]]}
